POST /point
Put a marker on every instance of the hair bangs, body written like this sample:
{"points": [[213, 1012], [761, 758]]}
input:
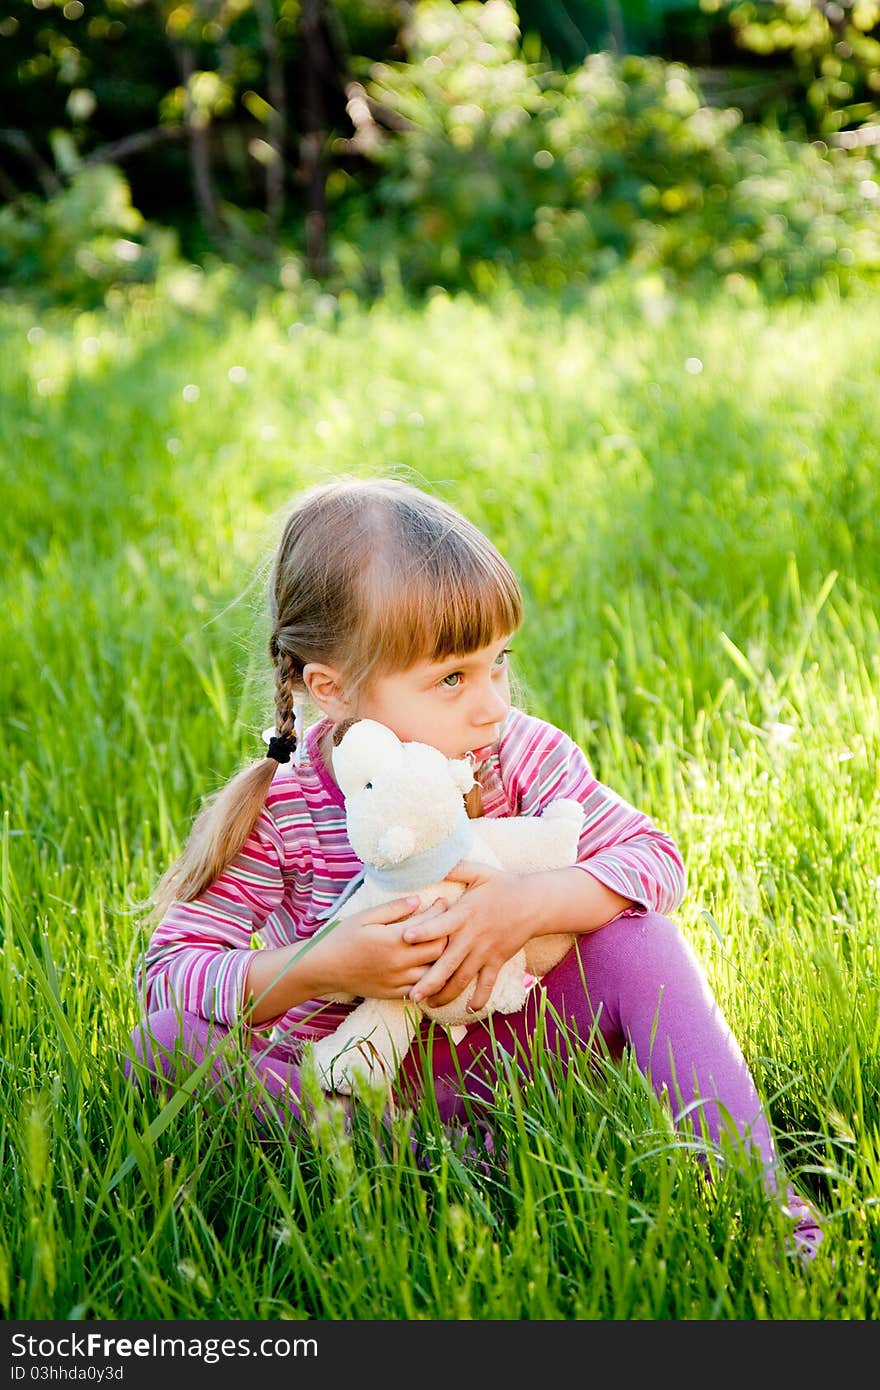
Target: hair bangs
{"points": [[440, 606], [472, 610]]}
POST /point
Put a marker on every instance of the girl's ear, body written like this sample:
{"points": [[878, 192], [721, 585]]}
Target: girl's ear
{"points": [[324, 684]]}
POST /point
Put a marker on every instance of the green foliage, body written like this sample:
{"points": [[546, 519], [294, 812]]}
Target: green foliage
{"points": [[112, 69], [507, 167], [559, 178], [74, 247], [96, 71], [834, 49]]}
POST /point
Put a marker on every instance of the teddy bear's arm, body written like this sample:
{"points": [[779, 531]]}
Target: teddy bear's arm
{"points": [[526, 843]]}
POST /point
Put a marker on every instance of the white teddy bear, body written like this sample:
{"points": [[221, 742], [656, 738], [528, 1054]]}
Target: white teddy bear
{"points": [[408, 825]]}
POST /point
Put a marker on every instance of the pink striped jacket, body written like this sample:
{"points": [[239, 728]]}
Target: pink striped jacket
{"points": [[297, 860]]}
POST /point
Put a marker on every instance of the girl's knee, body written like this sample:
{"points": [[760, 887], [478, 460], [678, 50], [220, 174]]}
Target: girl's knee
{"points": [[643, 941], [162, 1040]]}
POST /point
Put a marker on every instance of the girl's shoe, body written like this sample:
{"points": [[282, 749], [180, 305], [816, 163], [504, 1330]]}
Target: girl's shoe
{"points": [[807, 1235]]}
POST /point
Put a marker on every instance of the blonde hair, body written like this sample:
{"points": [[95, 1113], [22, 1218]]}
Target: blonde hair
{"points": [[371, 576]]}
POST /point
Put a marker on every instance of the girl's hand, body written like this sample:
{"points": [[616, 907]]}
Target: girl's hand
{"points": [[366, 954], [495, 915]]}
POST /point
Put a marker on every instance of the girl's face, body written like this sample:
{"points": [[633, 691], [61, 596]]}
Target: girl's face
{"points": [[457, 705]]}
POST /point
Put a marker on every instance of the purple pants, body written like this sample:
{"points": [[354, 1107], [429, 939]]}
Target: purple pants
{"points": [[637, 982]]}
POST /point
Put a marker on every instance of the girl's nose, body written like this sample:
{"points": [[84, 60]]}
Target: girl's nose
{"points": [[491, 707]]}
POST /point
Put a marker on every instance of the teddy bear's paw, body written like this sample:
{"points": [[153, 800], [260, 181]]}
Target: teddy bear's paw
{"points": [[507, 997], [456, 1013], [565, 809], [359, 1063], [367, 1064], [331, 1068], [337, 1080], [510, 988]]}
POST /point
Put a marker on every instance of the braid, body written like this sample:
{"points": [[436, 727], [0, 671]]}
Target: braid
{"points": [[285, 685], [227, 819]]}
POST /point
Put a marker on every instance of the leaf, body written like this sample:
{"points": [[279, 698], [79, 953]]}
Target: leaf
{"points": [[707, 917]]}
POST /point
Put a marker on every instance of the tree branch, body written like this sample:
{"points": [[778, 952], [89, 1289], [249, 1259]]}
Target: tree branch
{"points": [[117, 150], [46, 176]]}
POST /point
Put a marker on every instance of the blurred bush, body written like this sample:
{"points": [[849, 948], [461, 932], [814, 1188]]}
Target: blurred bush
{"points": [[471, 157], [73, 247], [504, 163], [834, 48]]}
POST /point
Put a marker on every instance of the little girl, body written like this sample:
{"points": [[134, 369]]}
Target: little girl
{"points": [[388, 604]]}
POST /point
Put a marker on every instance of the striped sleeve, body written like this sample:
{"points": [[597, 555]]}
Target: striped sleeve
{"points": [[198, 955], [619, 845]]}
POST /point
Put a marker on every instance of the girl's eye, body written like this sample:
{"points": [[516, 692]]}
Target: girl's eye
{"points": [[501, 658], [452, 680]]}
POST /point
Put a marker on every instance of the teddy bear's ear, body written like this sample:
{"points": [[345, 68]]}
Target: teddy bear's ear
{"points": [[462, 771], [363, 749]]}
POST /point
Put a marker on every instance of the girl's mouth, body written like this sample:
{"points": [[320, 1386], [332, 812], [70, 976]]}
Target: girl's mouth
{"points": [[480, 755]]}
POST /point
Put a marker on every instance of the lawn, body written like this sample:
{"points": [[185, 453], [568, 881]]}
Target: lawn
{"points": [[689, 492]]}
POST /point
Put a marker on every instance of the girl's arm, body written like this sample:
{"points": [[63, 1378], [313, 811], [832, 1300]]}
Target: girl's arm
{"points": [[364, 955], [619, 845], [198, 955]]}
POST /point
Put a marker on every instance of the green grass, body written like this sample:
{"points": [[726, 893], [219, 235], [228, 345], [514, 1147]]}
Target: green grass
{"points": [[701, 562]]}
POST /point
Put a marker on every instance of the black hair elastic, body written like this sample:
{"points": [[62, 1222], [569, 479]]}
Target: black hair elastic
{"points": [[281, 746]]}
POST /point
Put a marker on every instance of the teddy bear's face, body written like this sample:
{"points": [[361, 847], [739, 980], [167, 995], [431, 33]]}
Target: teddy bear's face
{"points": [[401, 799]]}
